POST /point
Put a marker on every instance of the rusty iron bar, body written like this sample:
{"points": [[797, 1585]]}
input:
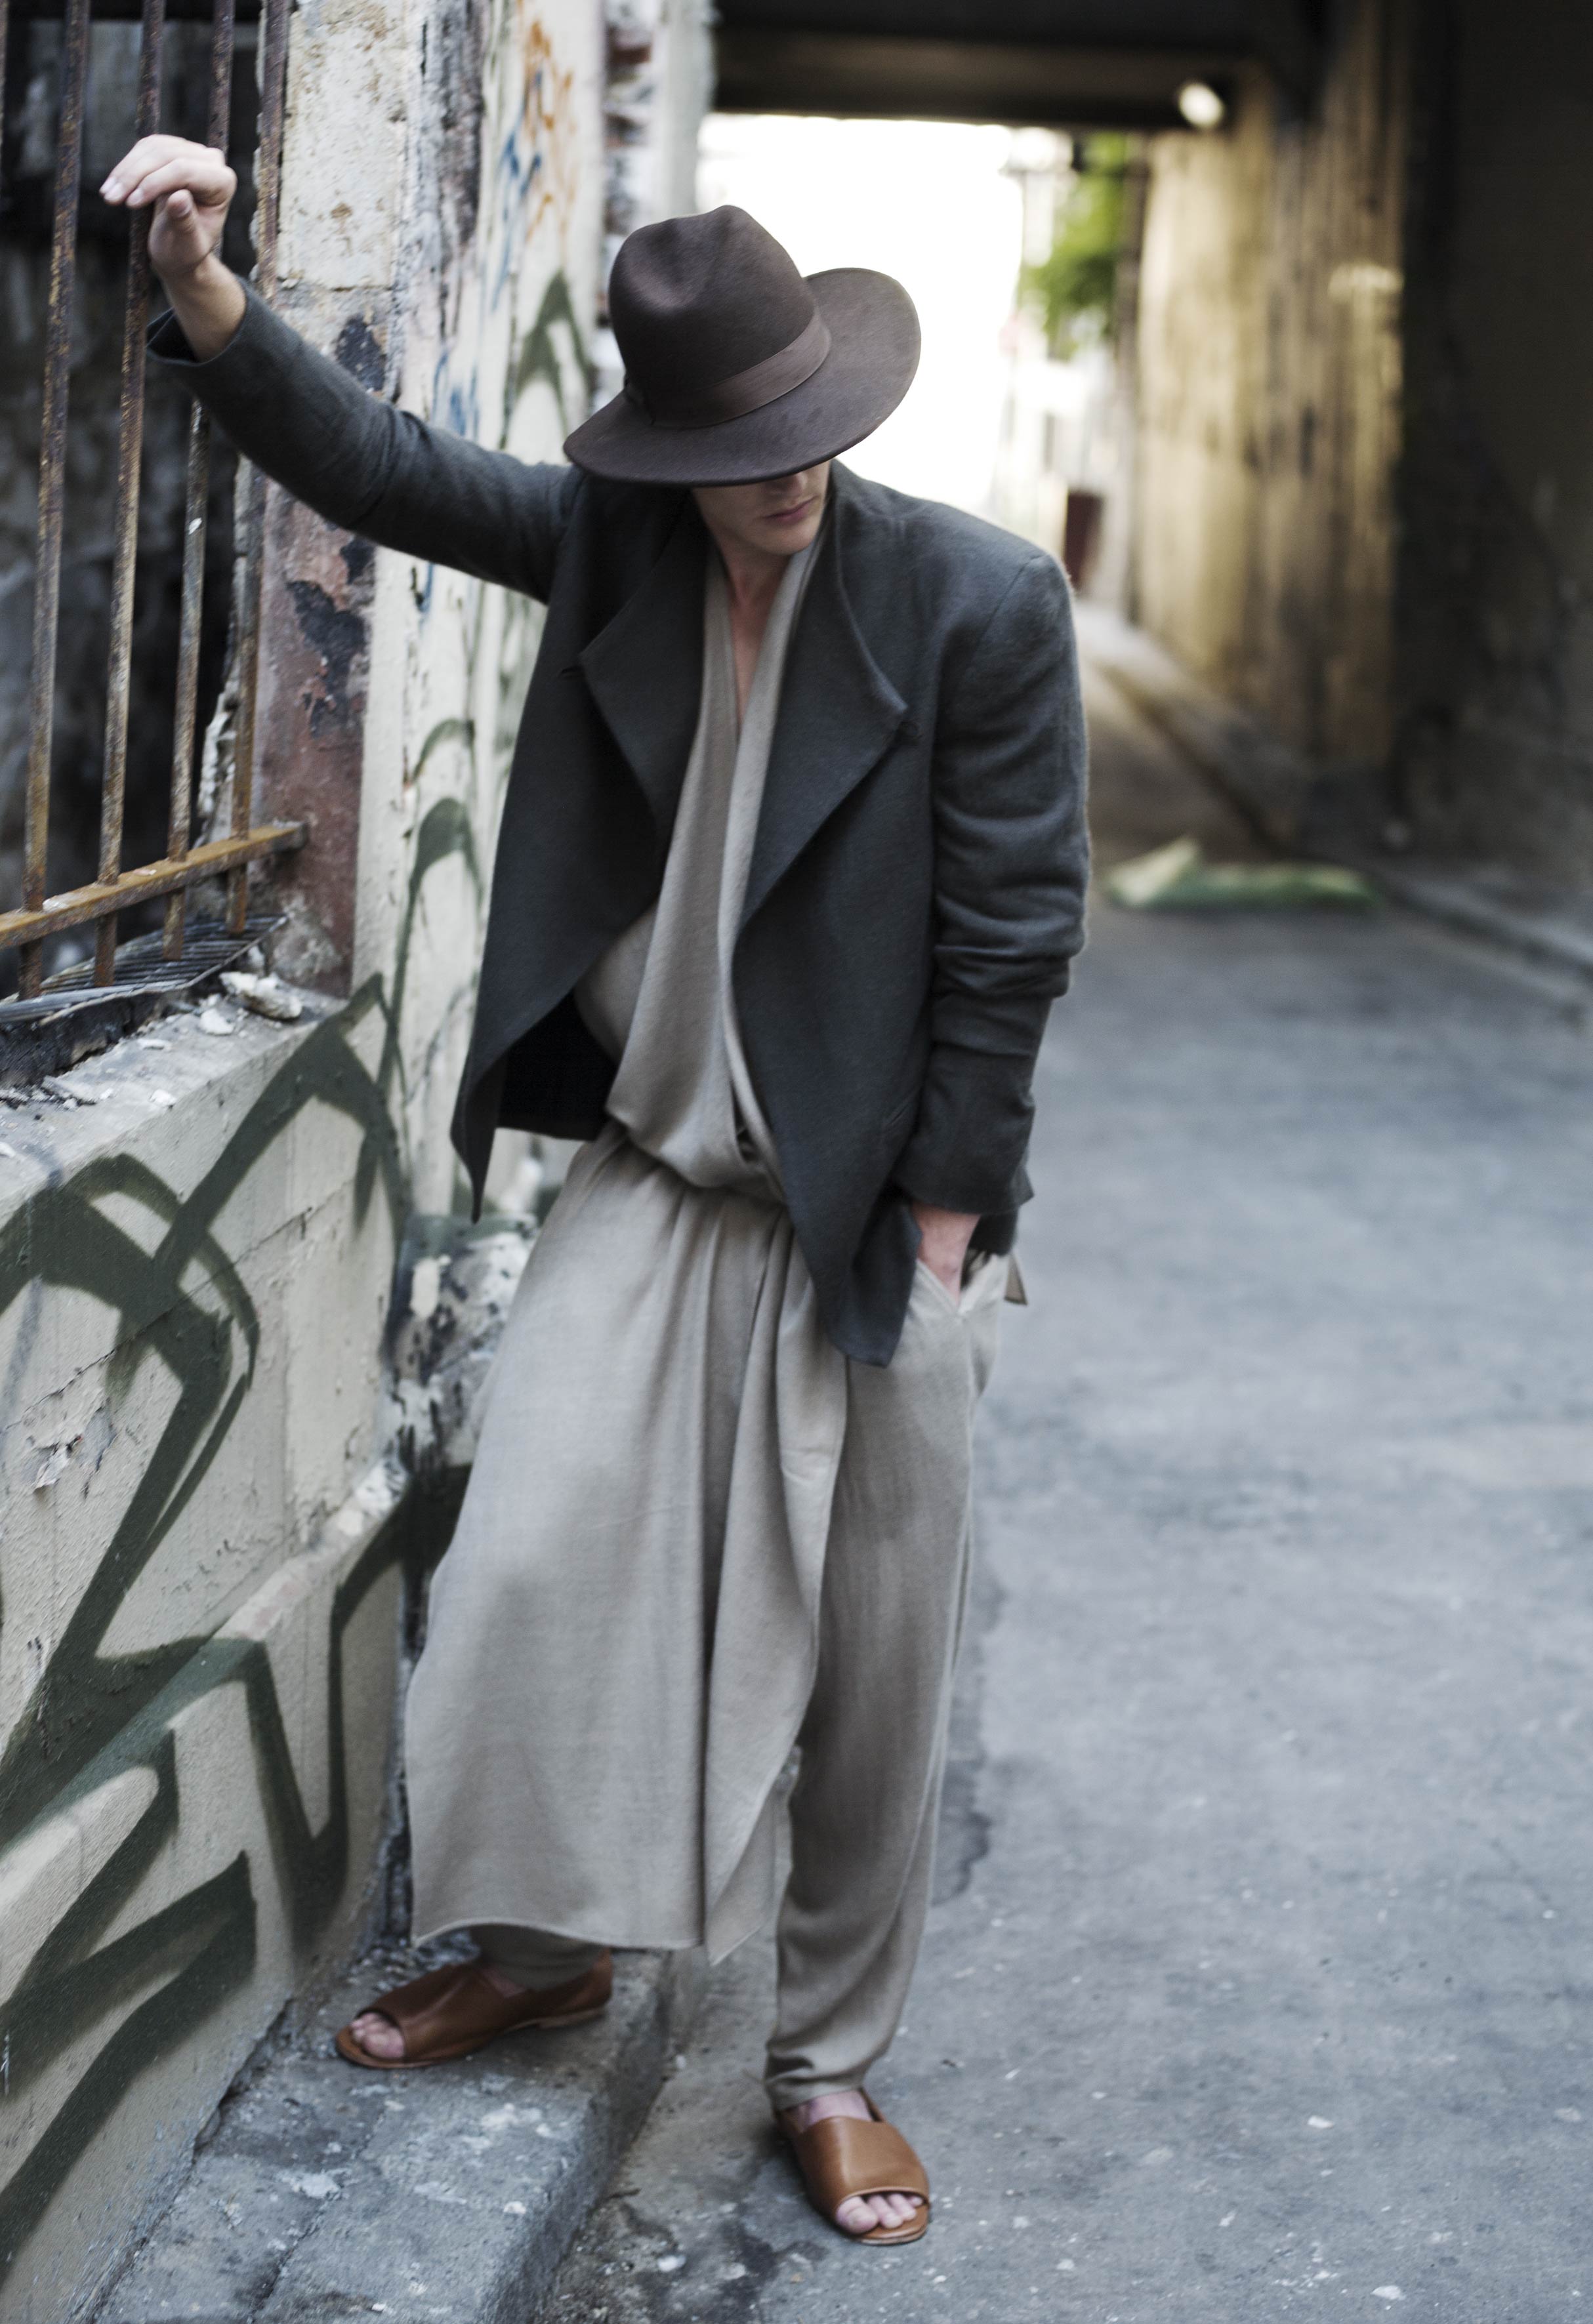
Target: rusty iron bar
{"points": [[52, 462], [209, 860], [129, 449], [195, 498], [268, 181], [268, 173], [4, 28], [195, 507], [128, 12]]}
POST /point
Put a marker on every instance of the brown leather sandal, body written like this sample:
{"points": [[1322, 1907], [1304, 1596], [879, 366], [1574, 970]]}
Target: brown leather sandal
{"points": [[450, 2012], [840, 2157]]}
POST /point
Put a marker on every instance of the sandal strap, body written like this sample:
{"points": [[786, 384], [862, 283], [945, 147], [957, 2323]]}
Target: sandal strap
{"points": [[447, 2006], [460, 2004], [840, 2157]]}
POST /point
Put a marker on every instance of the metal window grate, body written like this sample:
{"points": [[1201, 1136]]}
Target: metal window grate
{"points": [[102, 900]]}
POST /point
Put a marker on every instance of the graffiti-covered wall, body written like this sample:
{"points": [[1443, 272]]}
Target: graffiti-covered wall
{"points": [[207, 1529]]}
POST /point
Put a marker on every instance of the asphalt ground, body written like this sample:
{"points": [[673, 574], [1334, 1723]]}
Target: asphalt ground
{"points": [[1259, 1981]]}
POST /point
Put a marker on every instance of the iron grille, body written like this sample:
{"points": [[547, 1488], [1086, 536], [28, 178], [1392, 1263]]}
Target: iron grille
{"points": [[101, 900]]}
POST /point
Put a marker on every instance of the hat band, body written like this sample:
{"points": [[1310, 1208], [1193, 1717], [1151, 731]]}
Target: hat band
{"points": [[744, 391]]}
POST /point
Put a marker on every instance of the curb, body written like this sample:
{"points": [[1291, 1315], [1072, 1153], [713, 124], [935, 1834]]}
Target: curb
{"points": [[1543, 930], [1283, 798], [447, 2198]]}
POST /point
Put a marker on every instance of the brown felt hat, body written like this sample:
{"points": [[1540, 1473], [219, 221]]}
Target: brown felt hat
{"points": [[736, 366]]}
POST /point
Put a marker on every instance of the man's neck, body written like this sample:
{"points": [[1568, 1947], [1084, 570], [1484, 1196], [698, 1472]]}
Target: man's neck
{"points": [[755, 576]]}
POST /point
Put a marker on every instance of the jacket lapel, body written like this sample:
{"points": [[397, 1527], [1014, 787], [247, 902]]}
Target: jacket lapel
{"points": [[838, 714], [644, 668]]}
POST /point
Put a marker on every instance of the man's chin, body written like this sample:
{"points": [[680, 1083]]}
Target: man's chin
{"points": [[786, 540]]}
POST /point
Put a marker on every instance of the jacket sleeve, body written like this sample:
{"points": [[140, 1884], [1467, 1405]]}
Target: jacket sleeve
{"points": [[1011, 859], [361, 463]]}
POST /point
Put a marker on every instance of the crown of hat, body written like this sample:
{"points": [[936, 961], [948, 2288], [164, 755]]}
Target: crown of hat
{"points": [[693, 301]]}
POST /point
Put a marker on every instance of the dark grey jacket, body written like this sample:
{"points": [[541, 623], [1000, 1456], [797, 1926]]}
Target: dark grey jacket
{"points": [[917, 883]]}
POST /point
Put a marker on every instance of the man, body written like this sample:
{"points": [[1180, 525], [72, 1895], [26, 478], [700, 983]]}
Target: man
{"points": [[791, 866]]}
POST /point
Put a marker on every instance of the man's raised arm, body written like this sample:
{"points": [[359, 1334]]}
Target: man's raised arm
{"points": [[351, 455]]}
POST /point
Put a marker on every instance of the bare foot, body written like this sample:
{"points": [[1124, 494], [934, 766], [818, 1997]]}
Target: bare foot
{"points": [[858, 2213], [381, 2036]]}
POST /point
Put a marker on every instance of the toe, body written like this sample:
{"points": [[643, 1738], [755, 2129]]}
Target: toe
{"points": [[860, 2213], [378, 2035]]}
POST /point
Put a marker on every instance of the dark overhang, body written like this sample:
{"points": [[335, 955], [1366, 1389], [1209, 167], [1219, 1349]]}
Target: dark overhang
{"points": [[1068, 63]]}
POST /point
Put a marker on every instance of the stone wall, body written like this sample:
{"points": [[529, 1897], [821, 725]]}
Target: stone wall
{"points": [[214, 1508], [1269, 388], [1495, 754]]}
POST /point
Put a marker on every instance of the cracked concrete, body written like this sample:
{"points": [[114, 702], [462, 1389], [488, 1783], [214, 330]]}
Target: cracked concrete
{"points": [[443, 2197]]}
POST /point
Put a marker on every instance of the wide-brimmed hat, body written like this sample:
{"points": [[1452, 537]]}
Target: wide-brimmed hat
{"points": [[736, 366]]}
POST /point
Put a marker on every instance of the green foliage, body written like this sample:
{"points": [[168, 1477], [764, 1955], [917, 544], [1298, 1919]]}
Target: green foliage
{"points": [[1073, 289]]}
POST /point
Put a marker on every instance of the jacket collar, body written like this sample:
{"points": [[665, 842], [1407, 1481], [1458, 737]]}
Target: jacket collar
{"points": [[839, 712], [644, 666]]}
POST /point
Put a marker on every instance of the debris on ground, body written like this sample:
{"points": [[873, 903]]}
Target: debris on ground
{"points": [[1177, 878], [267, 996]]}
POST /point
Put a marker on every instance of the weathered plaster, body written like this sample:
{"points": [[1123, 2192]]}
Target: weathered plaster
{"points": [[185, 1409], [1269, 360]]}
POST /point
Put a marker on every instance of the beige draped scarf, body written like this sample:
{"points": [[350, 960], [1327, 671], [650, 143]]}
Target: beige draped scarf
{"points": [[624, 1633]]}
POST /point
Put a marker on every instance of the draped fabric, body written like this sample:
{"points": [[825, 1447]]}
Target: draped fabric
{"points": [[630, 1606]]}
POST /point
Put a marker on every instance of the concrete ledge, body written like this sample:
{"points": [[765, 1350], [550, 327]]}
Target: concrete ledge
{"points": [[1555, 931], [1296, 805], [450, 2197]]}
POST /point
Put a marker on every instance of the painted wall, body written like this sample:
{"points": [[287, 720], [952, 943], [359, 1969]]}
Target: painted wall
{"points": [[209, 1519], [1496, 612], [1269, 374]]}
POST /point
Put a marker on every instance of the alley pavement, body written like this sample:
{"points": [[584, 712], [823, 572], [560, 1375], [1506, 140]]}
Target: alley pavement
{"points": [[1258, 1984]]}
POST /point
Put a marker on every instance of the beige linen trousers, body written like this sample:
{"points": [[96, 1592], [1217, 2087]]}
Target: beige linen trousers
{"points": [[696, 1535]]}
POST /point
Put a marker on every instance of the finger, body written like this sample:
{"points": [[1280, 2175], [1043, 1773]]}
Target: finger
{"points": [[144, 175], [147, 154], [206, 177]]}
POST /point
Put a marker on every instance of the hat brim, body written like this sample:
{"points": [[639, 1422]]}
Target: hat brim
{"points": [[873, 356]]}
